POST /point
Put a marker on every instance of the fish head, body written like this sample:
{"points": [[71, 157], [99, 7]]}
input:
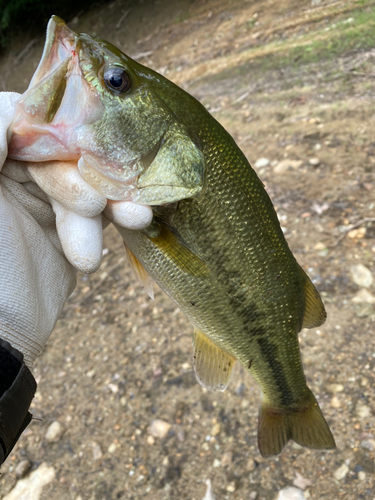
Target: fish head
{"points": [[89, 102]]}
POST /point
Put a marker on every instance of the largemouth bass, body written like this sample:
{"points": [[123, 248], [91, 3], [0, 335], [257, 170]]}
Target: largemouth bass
{"points": [[215, 245]]}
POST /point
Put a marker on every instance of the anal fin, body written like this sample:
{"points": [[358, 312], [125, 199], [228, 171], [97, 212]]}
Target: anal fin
{"points": [[213, 367], [143, 277], [315, 313]]}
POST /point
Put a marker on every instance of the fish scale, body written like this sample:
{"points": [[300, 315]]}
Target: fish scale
{"points": [[215, 245]]}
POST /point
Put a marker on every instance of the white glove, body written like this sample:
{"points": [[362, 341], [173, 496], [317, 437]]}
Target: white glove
{"points": [[38, 260]]}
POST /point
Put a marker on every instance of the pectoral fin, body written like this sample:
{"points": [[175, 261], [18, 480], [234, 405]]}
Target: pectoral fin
{"points": [[142, 275], [174, 250], [213, 367], [315, 313]]}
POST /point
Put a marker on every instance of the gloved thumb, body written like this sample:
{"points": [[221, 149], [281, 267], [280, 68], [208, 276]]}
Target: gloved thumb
{"points": [[6, 116]]}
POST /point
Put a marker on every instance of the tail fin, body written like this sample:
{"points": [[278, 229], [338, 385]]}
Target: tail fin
{"points": [[306, 426]]}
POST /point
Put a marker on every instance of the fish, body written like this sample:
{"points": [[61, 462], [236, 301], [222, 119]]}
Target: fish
{"points": [[215, 245]]}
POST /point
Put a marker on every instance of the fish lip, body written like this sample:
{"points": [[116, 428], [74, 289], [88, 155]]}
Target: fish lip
{"points": [[58, 35]]}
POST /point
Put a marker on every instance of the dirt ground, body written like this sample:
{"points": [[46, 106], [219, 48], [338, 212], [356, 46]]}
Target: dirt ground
{"points": [[293, 82]]}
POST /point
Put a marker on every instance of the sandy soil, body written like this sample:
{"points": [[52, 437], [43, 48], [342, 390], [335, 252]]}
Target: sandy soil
{"points": [[118, 360]]}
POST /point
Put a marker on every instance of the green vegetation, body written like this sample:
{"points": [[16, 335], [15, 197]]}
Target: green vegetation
{"points": [[342, 35]]}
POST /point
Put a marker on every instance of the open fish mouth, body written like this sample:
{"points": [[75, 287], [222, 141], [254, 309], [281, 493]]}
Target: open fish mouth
{"points": [[58, 104]]}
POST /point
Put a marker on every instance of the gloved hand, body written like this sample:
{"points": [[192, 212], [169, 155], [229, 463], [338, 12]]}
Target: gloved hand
{"points": [[50, 225]]}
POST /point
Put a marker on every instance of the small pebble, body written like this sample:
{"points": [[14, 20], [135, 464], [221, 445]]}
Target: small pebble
{"points": [[363, 296], [334, 388], [362, 411], [159, 428], [341, 472], [54, 432], [215, 430], [112, 448], [97, 453], [368, 444], [357, 234], [335, 402], [253, 495], [314, 162], [226, 459], [361, 475], [261, 162], [113, 388], [251, 464], [150, 440], [361, 275], [22, 468], [290, 493], [231, 487], [216, 463], [285, 165], [301, 482]]}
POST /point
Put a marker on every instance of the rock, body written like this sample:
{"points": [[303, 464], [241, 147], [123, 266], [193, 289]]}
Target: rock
{"points": [[54, 432], [216, 463], [363, 296], [368, 444], [361, 475], [357, 234], [31, 487], [231, 487], [314, 162], [362, 411], [226, 459], [113, 388], [341, 472], [335, 402], [97, 453], [261, 162], [22, 468], [285, 165], [290, 493], [251, 464], [361, 275], [253, 495], [159, 428], [112, 448], [364, 311], [150, 440], [215, 430], [335, 388], [301, 482], [209, 493]]}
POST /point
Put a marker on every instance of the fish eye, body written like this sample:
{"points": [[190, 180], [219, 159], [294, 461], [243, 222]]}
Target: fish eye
{"points": [[117, 80]]}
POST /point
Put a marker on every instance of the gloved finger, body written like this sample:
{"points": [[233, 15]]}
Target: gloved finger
{"points": [[38, 208], [16, 170], [63, 183], [128, 214], [81, 238], [7, 100]]}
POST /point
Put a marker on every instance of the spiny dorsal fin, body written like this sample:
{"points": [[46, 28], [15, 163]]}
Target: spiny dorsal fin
{"points": [[314, 314], [213, 367], [142, 275]]}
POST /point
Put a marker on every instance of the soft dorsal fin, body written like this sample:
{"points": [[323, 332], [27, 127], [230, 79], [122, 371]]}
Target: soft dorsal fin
{"points": [[143, 277], [315, 313], [213, 367]]}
